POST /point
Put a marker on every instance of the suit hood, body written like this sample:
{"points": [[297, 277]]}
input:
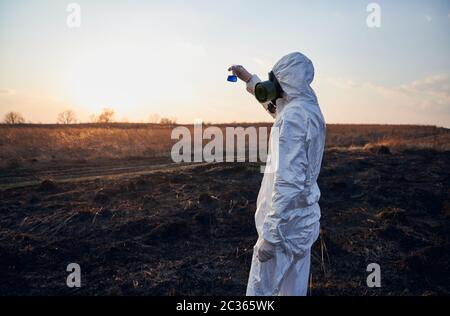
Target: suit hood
{"points": [[295, 73]]}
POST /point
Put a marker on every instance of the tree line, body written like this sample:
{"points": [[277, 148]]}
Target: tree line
{"points": [[69, 117]]}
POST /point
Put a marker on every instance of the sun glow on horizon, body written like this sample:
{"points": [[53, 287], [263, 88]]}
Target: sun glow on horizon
{"points": [[119, 77]]}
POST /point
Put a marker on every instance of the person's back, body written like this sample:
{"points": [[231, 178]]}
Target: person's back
{"points": [[288, 214]]}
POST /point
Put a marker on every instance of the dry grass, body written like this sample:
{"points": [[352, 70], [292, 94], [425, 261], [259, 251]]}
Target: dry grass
{"points": [[82, 143], [398, 137], [42, 143], [437, 142]]}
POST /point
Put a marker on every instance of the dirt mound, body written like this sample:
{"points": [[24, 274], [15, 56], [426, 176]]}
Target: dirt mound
{"points": [[377, 149], [48, 185]]}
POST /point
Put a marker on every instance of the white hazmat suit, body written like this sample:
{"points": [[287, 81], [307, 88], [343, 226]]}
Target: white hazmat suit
{"points": [[288, 212]]}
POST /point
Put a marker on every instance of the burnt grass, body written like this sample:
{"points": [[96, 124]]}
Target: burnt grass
{"points": [[191, 231]]}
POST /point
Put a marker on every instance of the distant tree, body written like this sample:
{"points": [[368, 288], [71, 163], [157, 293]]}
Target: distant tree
{"points": [[153, 118], [168, 121], [107, 116], [67, 117], [13, 118]]}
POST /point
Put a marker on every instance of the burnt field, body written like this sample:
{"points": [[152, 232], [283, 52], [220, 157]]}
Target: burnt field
{"points": [[189, 229]]}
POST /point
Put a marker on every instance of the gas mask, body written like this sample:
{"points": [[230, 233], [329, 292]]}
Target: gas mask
{"points": [[269, 91]]}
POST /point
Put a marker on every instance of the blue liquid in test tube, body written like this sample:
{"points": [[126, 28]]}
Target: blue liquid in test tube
{"points": [[232, 78]]}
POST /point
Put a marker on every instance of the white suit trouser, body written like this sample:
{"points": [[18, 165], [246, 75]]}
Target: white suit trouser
{"points": [[265, 279]]}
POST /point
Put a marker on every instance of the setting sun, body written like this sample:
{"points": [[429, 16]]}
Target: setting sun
{"points": [[121, 77]]}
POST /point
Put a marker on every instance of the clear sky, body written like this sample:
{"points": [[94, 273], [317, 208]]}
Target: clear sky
{"points": [[171, 58]]}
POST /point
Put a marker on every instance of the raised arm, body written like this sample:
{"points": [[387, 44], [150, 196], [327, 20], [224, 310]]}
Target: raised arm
{"points": [[251, 81]]}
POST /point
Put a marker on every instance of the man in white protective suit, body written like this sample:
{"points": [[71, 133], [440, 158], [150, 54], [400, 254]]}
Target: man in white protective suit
{"points": [[288, 213]]}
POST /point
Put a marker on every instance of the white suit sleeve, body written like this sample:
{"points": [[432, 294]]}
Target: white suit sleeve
{"points": [[289, 191], [251, 89]]}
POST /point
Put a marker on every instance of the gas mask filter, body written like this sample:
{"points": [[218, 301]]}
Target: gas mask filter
{"points": [[269, 91]]}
